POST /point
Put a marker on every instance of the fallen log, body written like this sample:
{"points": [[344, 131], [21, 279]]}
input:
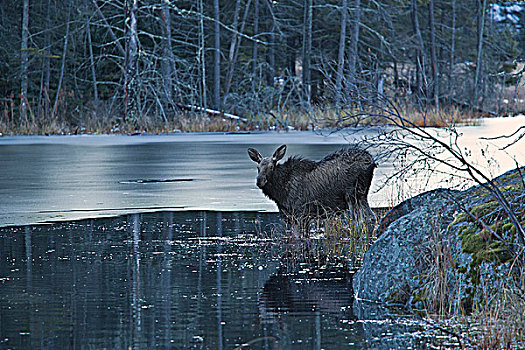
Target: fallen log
{"points": [[210, 112], [465, 104]]}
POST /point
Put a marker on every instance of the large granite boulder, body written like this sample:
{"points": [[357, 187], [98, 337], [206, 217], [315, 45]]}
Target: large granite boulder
{"points": [[456, 242]]}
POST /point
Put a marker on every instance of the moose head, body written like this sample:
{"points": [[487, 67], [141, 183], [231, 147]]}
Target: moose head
{"points": [[266, 165]]}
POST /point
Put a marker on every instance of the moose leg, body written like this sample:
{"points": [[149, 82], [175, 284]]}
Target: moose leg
{"points": [[360, 212], [351, 203], [367, 215], [291, 222]]}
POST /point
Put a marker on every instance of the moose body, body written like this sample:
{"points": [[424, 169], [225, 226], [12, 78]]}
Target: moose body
{"points": [[304, 189]]}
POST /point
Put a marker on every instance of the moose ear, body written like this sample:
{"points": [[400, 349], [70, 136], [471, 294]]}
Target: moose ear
{"points": [[254, 155], [279, 153]]}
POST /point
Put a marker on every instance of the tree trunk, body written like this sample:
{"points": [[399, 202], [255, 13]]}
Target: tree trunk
{"points": [[167, 53], [270, 74], [217, 58], [291, 57], [234, 50], [479, 58], [234, 26], [353, 55], [63, 64], [271, 57], [420, 51], [433, 54], [131, 67], [233, 46], [254, 51], [24, 61], [43, 96], [202, 56], [341, 54], [307, 49], [452, 47], [92, 61]]}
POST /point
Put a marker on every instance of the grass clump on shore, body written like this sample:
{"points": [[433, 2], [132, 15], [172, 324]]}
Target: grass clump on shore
{"points": [[98, 118]]}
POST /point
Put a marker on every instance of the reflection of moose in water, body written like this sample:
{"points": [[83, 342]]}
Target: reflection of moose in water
{"points": [[304, 189], [307, 302], [328, 290]]}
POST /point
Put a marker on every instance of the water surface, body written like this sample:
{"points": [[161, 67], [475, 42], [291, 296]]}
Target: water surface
{"points": [[185, 280], [45, 179], [200, 260]]}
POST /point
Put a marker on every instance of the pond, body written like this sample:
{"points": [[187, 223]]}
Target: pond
{"points": [[57, 178], [185, 280], [46, 179], [165, 242]]}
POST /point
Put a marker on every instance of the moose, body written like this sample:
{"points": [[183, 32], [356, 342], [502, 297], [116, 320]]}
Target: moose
{"points": [[305, 190]]}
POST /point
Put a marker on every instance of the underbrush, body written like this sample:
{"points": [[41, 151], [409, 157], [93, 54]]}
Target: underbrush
{"points": [[485, 300], [98, 118]]}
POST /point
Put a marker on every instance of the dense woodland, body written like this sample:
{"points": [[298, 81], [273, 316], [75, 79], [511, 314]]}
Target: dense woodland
{"points": [[96, 64]]}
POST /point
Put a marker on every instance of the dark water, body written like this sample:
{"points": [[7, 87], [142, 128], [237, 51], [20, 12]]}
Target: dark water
{"points": [[183, 280]]}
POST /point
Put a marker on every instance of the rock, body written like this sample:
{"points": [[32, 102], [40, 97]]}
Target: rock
{"points": [[393, 262], [430, 243]]}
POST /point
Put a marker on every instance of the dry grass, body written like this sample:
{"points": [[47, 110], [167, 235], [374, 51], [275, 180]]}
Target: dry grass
{"points": [[497, 319], [499, 322], [431, 117], [439, 300], [336, 238], [95, 118], [347, 236], [321, 118]]}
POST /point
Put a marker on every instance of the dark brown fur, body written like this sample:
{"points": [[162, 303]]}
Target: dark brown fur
{"points": [[304, 189]]}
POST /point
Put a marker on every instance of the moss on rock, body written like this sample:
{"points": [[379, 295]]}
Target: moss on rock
{"points": [[483, 209], [472, 242], [461, 254]]}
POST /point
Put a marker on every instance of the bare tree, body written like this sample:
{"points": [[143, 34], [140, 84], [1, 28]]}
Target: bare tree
{"points": [[45, 76], [481, 5], [217, 56], [271, 46], [109, 28], [234, 45], [421, 80], [24, 61], [92, 60], [433, 54], [452, 44], [409, 52], [427, 151], [307, 49], [167, 52], [341, 53], [353, 55], [131, 64], [201, 56], [254, 51], [63, 64]]}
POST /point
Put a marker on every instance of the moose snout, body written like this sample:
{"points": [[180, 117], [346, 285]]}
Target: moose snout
{"points": [[261, 181]]}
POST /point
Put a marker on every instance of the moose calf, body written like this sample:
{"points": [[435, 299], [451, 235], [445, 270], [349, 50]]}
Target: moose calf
{"points": [[304, 189]]}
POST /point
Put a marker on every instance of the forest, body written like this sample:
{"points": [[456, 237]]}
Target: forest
{"points": [[163, 65]]}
